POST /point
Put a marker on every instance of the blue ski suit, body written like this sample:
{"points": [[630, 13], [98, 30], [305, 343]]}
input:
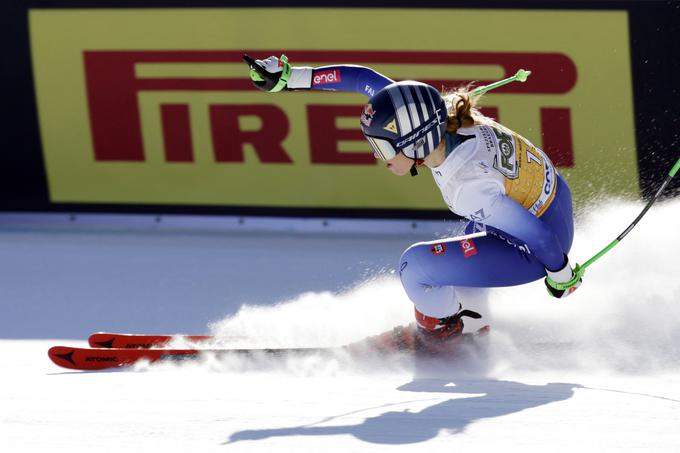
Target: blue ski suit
{"points": [[518, 209]]}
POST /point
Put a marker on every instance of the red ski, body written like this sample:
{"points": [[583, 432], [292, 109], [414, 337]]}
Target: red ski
{"points": [[109, 340], [134, 341], [112, 350], [91, 359]]}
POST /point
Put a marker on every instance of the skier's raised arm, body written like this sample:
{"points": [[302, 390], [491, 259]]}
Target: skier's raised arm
{"points": [[273, 74]]}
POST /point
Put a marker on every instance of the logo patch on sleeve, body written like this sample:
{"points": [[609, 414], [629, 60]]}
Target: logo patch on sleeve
{"points": [[325, 77], [468, 248], [438, 249]]}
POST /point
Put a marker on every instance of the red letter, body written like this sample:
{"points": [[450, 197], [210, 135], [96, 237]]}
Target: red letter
{"points": [[177, 133], [114, 113], [228, 138], [324, 136], [112, 88]]}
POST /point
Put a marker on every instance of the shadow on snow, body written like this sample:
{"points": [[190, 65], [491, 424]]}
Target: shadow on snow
{"points": [[488, 399]]}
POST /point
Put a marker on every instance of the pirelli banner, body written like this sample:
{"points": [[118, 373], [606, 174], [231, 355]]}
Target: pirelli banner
{"points": [[155, 107]]}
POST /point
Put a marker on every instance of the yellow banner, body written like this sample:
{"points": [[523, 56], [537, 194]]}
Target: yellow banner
{"points": [[155, 106]]}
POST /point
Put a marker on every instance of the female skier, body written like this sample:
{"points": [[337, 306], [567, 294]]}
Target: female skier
{"points": [[507, 188]]}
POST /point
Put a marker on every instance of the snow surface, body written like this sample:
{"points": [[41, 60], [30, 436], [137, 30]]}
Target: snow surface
{"points": [[599, 371]]}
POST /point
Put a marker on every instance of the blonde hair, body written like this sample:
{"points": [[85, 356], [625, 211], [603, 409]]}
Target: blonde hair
{"points": [[462, 109]]}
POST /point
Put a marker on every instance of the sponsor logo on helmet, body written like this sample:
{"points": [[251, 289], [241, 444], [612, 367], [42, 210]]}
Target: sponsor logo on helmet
{"points": [[438, 249], [468, 248], [324, 77], [392, 126], [417, 134], [367, 115]]}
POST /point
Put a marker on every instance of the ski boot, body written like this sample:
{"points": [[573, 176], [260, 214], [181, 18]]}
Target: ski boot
{"points": [[427, 335], [437, 335]]}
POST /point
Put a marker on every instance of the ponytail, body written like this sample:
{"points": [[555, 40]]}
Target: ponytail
{"points": [[462, 109]]}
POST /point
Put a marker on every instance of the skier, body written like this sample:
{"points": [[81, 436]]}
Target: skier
{"points": [[507, 189]]}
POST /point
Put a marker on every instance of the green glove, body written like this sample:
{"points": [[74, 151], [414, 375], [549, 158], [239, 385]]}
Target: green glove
{"points": [[563, 282], [271, 74]]}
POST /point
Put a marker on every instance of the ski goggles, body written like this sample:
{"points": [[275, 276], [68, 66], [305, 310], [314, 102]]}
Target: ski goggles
{"points": [[382, 149], [385, 150]]}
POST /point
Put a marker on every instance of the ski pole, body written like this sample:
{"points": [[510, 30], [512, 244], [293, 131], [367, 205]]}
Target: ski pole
{"points": [[580, 270], [520, 76]]}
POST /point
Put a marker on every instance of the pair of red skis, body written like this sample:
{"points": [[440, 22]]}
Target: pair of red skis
{"points": [[113, 350]]}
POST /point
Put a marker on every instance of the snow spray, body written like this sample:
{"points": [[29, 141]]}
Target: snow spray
{"points": [[625, 317]]}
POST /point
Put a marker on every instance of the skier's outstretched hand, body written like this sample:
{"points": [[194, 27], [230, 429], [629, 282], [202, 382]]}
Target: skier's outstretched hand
{"points": [[275, 74], [270, 74], [563, 282]]}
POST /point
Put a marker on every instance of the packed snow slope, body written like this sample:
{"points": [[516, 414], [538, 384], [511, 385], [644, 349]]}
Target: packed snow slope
{"points": [[599, 371]]}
